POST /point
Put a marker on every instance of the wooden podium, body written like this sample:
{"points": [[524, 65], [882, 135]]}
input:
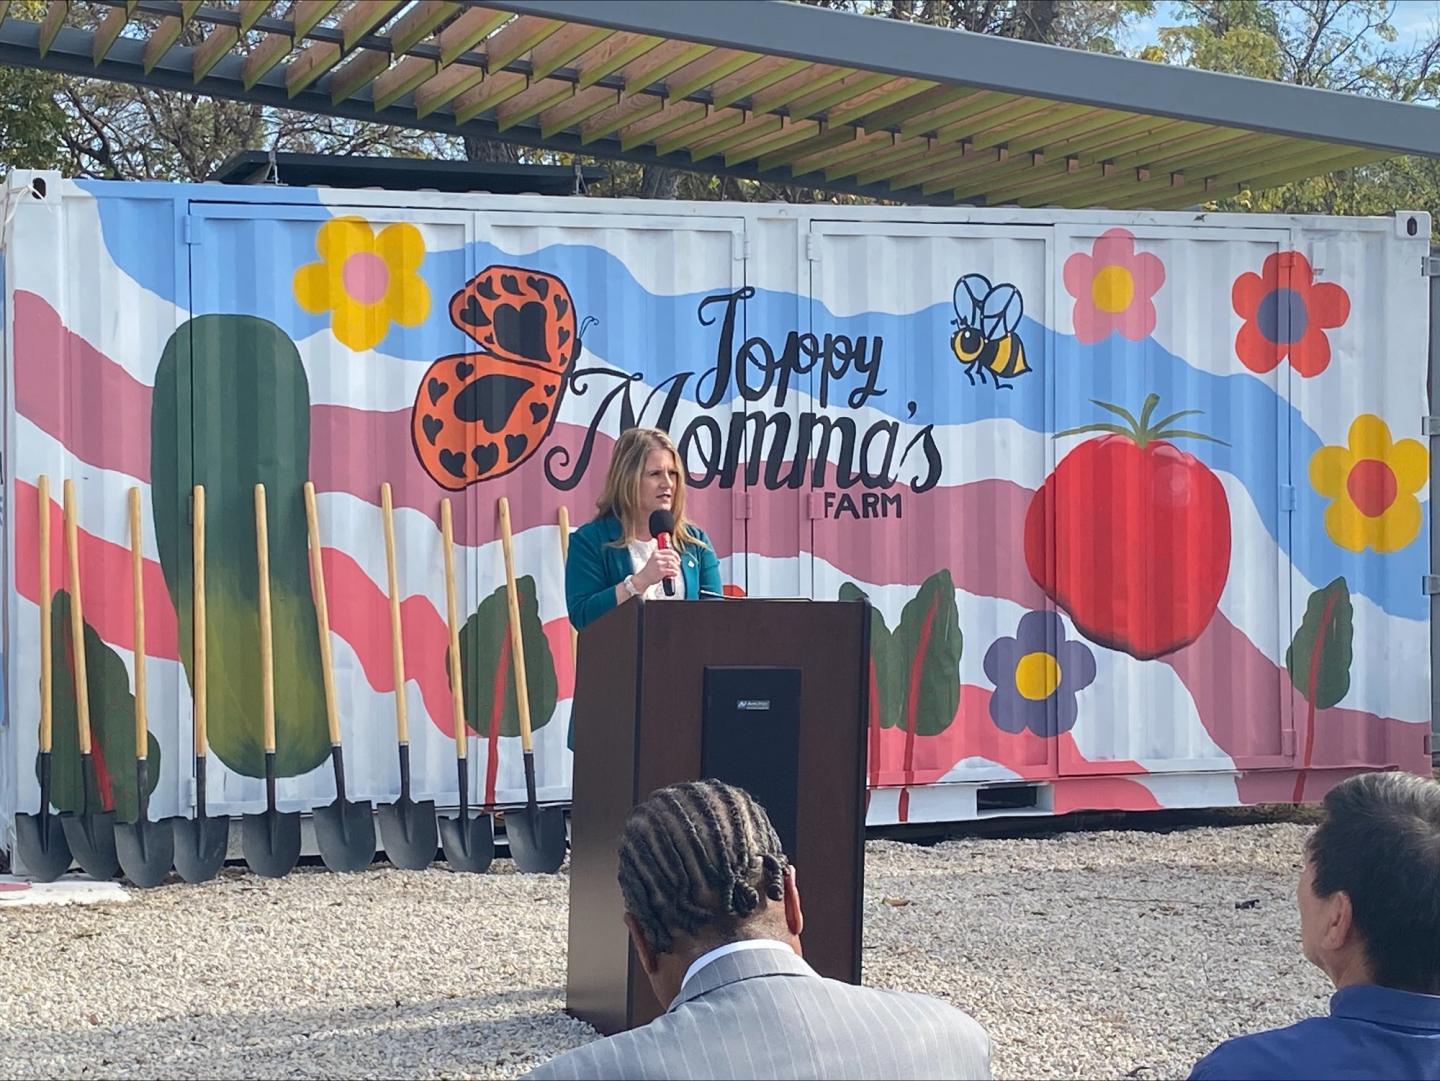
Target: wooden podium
{"points": [[769, 695]]}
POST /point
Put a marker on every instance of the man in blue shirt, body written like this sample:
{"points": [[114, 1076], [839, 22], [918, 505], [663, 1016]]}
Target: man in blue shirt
{"points": [[1369, 899]]}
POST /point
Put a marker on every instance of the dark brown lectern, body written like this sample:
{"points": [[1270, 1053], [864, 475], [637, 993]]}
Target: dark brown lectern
{"points": [[765, 694]]}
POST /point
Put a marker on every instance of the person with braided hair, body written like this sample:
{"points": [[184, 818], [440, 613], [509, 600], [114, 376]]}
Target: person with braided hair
{"points": [[713, 910]]}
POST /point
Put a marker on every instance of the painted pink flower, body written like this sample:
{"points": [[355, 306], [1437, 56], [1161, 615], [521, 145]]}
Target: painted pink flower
{"points": [[1114, 288]]}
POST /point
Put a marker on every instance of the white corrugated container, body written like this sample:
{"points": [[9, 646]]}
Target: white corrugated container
{"points": [[1219, 607]]}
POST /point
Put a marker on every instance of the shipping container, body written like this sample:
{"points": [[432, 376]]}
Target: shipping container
{"points": [[1141, 500]]}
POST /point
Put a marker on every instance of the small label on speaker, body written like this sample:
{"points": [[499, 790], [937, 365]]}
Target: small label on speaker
{"points": [[762, 704]]}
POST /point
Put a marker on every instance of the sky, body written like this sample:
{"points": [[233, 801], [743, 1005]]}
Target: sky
{"points": [[1412, 18]]}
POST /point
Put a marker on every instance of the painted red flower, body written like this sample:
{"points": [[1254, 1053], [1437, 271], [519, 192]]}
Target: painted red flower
{"points": [[1286, 314]]}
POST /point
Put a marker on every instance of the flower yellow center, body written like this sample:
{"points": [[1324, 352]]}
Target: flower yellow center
{"points": [[1113, 289], [1037, 675]]}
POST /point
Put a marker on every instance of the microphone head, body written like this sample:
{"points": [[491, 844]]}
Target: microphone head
{"points": [[661, 521]]}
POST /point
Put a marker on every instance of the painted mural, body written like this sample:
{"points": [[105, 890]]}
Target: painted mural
{"points": [[1147, 528]]}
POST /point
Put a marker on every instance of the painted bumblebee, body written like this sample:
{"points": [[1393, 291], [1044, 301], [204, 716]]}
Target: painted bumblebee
{"points": [[987, 318]]}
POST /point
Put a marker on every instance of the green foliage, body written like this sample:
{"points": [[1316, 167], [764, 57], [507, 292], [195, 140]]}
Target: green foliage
{"points": [[887, 668], [1323, 647], [488, 671], [112, 724], [240, 381]]}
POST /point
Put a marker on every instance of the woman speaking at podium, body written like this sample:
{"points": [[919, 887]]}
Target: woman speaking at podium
{"points": [[639, 544]]}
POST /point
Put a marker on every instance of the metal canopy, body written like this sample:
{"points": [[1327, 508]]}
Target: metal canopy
{"points": [[760, 89]]}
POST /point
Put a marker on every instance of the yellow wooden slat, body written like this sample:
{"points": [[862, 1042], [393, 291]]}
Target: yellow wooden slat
{"points": [[110, 29], [496, 88], [318, 58], [725, 120], [676, 114], [540, 96], [658, 63], [707, 71], [394, 84], [444, 87], [417, 24], [467, 31], [307, 14], [557, 51], [516, 39], [608, 122], [612, 54], [53, 21], [263, 57], [358, 71], [577, 109]]}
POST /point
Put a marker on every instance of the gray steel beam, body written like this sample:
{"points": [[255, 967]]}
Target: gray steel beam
{"points": [[962, 58], [72, 53]]}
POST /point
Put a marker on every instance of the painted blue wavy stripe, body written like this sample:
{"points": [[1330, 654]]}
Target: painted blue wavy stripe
{"points": [[661, 335]]}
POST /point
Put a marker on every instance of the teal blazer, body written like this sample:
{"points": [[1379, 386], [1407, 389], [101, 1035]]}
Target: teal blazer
{"points": [[594, 569]]}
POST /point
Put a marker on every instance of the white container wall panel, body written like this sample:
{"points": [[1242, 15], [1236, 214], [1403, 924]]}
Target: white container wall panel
{"points": [[1140, 500]]}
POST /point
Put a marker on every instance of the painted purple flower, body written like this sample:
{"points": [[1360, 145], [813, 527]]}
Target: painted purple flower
{"points": [[1035, 670]]}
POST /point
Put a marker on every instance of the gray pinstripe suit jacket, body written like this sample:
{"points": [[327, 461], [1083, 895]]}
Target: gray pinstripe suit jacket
{"points": [[767, 1014]]}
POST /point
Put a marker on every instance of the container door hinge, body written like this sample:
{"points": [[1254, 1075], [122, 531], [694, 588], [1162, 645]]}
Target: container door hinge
{"points": [[187, 229], [741, 247], [1287, 497], [1430, 426], [743, 502], [812, 247], [1287, 741], [815, 505], [1430, 584], [1430, 266]]}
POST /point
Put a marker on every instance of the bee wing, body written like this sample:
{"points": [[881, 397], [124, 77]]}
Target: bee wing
{"points": [[1001, 310], [970, 293]]}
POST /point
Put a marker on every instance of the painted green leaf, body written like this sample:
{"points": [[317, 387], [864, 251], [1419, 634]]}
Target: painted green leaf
{"points": [[887, 669], [112, 723], [489, 674], [928, 644], [251, 424], [1321, 651]]}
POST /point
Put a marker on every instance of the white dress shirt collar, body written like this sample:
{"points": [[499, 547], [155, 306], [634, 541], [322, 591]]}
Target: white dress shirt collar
{"points": [[732, 947]]}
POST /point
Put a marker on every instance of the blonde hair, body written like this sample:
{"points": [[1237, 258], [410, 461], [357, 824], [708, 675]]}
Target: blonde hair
{"points": [[621, 494]]}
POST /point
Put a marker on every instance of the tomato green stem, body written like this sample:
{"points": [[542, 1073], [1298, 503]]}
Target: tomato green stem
{"points": [[1142, 431]]}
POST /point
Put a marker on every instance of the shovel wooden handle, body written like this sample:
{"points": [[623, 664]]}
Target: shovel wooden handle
{"points": [[457, 691], [198, 611], [77, 622], [322, 614], [137, 578], [46, 713], [397, 646], [267, 659], [517, 644], [564, 561]]}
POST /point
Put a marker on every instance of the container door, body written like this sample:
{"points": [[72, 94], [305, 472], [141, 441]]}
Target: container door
{"points": [[925, 463], [314, 329], [583, 325], [1167, 528]]}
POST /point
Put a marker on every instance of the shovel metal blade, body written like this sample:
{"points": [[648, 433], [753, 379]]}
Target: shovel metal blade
{"points": [[91, 834], [200, 847], [345, 832], [537, 838], [271, 842], [408, 832], [41, 845], [146, 851], [469, 843]]}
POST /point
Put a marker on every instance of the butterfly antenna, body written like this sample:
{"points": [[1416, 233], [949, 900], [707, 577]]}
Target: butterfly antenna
{"points": [[583, 324]]}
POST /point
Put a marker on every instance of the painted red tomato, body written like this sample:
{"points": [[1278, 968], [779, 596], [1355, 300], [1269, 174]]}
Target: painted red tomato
{"points": [[1130, 536]]}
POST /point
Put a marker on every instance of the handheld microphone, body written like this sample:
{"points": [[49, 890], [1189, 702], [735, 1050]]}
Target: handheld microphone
{"points": [[662, 523]]}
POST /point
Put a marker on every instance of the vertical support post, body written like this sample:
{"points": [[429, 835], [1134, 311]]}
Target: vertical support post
{"points": [[1433, 377]]}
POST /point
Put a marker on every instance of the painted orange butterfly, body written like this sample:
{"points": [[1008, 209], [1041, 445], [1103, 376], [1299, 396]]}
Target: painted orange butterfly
{"points": [[478, 416]]}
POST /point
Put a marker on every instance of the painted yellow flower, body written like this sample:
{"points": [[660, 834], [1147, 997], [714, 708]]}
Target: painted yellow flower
{"points": [[1373, 483], [365, 280]]}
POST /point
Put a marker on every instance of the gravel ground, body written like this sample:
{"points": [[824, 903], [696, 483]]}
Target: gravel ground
{"points": [[1107, 954]]}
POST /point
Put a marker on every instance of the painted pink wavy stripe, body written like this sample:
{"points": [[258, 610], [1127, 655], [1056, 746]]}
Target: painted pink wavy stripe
{"points": [[106, 593], [360, 614], [108, 425]]}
